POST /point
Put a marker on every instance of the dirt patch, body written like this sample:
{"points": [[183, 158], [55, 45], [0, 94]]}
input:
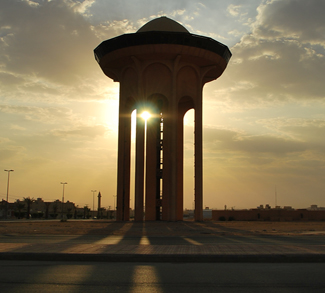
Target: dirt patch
{"points": [[100, 227]]}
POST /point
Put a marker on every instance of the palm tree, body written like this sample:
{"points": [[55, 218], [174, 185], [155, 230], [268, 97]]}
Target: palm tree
{"points": [[29, 201], [86, 212]]}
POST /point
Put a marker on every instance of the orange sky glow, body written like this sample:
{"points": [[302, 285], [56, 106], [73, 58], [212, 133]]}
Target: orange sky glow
{"points": [[264, 118]]}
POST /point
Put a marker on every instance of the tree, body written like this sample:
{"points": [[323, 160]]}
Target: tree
{"points": [[55, 209], [69, 215], [86, 212], [19, 205], [47, 208], [29, 201]]}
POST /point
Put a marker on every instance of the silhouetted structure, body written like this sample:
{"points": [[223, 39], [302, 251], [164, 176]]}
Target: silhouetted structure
{"points": [[162, 68], [273, 215], [99, 205]]}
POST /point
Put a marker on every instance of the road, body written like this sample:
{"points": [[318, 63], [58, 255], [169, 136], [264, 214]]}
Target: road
{"points": [[165, 240], [33, 276]]}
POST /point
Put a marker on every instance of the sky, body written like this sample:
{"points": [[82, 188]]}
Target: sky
{"points": [[264, 118]]}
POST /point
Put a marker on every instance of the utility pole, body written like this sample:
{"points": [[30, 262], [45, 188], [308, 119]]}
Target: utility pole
{"points": [[275, 197], [63, 183], [93, 191], [99, 214], [6, 215]]}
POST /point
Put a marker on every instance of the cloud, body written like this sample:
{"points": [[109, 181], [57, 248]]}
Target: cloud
{"points": [[83, 132], [40, 114], [8, 154], [9, 151], [280, 60], [293, 19], [69, 144], [234, 151], [80, 7], [309, 131], [235, 163], [223, 140], [43, 39], [9, 80], [233, 9], [109, 29], [53, 127], [17, 127], [31, 2], [47, 48]]}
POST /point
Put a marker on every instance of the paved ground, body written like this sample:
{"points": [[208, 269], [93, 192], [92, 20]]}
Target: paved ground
{"points": [[163, 242], [53, 276]]}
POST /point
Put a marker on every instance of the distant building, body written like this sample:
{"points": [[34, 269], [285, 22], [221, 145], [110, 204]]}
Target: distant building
{"points": [[314, 207], [38, 209], [269, 214], [8, 208], [189, 214]]}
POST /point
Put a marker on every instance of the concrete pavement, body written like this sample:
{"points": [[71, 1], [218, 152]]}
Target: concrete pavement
{"points": [[175, 244]]}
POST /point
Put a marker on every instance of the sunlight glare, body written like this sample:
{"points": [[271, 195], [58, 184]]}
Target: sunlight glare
{"points": [[145, 115]]}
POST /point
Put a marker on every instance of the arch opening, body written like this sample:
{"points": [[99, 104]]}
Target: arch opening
{"points": [[189, 164], [185, 163], [132, 162]]}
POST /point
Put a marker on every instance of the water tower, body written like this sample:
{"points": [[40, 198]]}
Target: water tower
{"points": [[162, 69]]}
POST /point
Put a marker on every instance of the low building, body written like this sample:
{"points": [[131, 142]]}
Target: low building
{"points": [[37, 209], [269, 215], [7, 210]]}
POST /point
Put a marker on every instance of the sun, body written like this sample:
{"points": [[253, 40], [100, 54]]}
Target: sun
{"points": [[145, 115]]}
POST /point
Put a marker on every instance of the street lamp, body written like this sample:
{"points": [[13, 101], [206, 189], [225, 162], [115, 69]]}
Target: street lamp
{"points": [[8, 182], [115, 206], [93, 191], [63, 183], [7, 191]]}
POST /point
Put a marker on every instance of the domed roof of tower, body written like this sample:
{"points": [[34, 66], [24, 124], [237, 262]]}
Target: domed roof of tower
{"points": [[163, 24]]}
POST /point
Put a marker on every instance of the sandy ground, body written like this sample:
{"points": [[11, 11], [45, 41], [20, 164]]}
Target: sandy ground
{"points": [[102, 227]]}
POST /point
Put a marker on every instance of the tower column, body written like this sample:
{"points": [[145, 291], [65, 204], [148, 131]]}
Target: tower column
{"points": [[173, 157], [139, 169], [152, 168], [198, 214], [180, 165], [167, 188], [123, 166]]}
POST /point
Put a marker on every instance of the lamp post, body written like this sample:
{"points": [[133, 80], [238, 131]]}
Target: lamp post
{"points": [[93, 191], [6, 215], [115, 205], [63, 183]]}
